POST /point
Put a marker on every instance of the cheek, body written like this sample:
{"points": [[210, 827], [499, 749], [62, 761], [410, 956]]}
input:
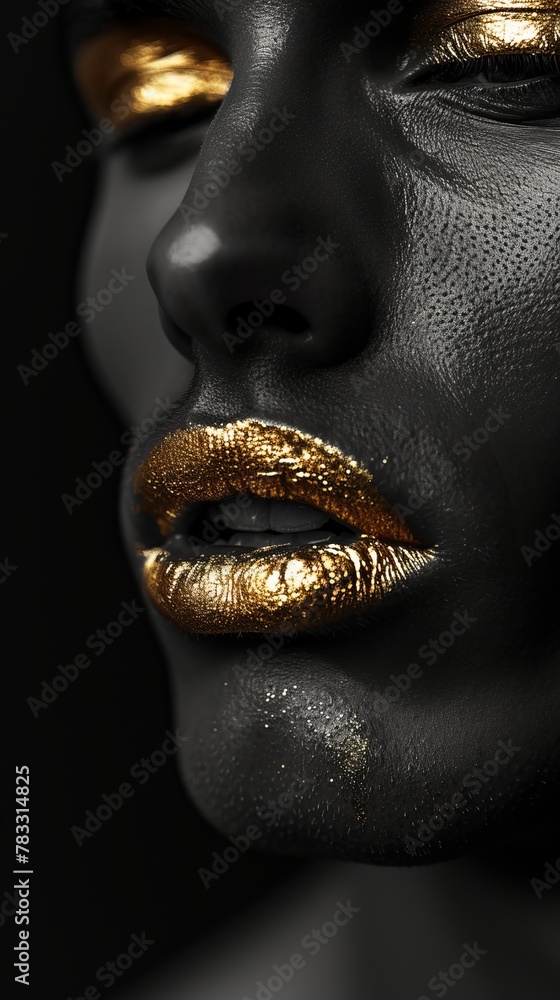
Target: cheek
{"points": [[477, 300], [121, 329]]}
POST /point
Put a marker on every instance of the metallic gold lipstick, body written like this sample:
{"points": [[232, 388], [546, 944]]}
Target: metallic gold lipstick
{"points": [[282, 585]]}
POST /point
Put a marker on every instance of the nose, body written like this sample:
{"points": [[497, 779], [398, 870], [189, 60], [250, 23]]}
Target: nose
{"points": [[254, 259], [232, 281]]}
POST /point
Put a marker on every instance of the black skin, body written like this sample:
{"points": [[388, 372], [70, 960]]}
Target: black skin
{"points": [[440, 305]]}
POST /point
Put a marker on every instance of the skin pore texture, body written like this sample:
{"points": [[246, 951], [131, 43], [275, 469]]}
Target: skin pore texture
{"points": [[425, 156]]}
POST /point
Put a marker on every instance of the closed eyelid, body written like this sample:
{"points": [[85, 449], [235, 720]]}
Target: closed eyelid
{"points": [[442, 13], [466, 29], [137, 69]]}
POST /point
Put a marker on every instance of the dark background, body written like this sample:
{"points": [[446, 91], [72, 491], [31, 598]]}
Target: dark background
{"points": [[139, 871]]}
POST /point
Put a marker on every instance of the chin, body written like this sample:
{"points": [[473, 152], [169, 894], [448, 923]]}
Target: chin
{"points": [[350, 686], [380, 735], [302, 744]]}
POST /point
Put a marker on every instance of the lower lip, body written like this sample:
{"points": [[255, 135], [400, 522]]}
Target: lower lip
{"points": [[271, 590]]}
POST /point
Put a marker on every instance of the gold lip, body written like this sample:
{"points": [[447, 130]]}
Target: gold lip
{"points": [[270, 589], [249, 456]]}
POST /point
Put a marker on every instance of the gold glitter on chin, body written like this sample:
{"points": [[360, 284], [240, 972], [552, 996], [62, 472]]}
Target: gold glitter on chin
{"points": [[353, 756], [271, 590], [471, 29], [347, 749]]}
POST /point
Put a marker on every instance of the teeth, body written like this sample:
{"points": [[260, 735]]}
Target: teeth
{"points": [[266, 515], [288, 516], [254, 516], [180, 547]]}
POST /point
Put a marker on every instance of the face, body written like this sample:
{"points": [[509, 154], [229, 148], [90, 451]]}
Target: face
{"points": [[334, 340]]}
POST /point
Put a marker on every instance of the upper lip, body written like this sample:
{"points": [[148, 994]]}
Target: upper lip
{"points": [[200, 464]]}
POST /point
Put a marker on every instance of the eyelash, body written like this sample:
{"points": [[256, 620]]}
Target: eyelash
{"points": [[498, 70], [519, 71], [164, 127]]}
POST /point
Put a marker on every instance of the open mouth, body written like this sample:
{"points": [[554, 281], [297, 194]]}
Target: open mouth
{"points": [[247, 522], [266, 529]]}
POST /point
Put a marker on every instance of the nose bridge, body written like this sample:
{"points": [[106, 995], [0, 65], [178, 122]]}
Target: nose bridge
{"points": [[253, 152], [259, 222], [243, 165]]}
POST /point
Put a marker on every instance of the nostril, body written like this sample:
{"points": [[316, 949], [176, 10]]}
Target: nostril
{"points": [[252, 315]]}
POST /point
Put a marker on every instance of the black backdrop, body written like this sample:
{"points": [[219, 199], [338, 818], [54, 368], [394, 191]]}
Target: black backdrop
{"points": [[139, 871]]}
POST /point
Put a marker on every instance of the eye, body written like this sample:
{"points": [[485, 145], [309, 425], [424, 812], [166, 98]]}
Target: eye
{"points": [[140, 72], [471, 29], [504, 64], [495, 71]]}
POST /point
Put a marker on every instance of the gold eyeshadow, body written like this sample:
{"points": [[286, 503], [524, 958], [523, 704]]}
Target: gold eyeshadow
{"points": [[470, 29], [137, 69]]}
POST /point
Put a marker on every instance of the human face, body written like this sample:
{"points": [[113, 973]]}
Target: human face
{"points": [[353, 247]]}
